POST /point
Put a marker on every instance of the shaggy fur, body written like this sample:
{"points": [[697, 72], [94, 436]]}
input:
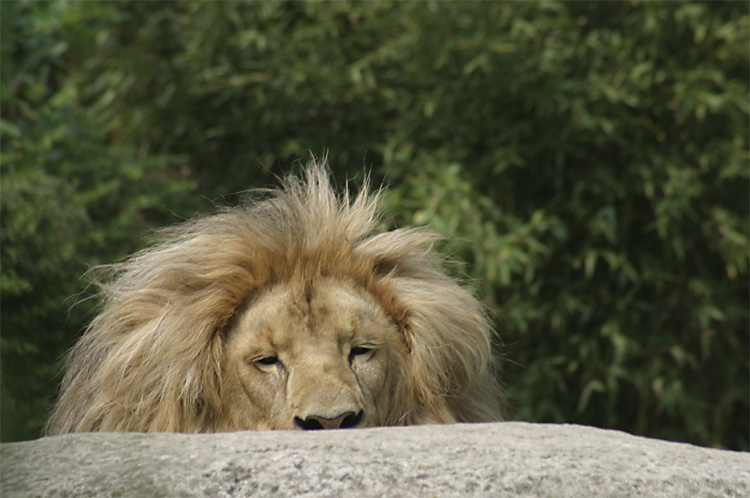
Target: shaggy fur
{"points": [[151, 360]]}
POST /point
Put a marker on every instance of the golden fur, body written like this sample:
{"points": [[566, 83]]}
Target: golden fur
{"points": [[173, 348]]}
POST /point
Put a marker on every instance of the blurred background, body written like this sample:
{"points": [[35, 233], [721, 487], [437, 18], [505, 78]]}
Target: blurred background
{"points": [[588, 160]]}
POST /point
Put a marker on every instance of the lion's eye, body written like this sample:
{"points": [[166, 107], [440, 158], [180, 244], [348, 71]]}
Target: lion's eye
{"points": [[358, 351], [268, 361]]}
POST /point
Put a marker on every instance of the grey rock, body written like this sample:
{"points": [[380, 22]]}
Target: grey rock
{"points": [[501, 459]]}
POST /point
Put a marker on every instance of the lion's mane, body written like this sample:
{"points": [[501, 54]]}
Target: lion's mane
{"points": [[151, 360]]}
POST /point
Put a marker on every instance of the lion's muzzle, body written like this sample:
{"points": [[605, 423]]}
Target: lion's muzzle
{"points": [[346, 420]]}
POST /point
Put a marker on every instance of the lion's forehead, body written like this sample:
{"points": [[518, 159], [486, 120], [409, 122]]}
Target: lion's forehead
{"points": [[323, 316]]}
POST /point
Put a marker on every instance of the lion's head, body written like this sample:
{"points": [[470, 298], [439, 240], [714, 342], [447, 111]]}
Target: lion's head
{"points": [[287, 313]]}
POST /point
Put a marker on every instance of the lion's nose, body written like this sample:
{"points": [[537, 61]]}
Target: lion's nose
{"points": [[343, 421]]}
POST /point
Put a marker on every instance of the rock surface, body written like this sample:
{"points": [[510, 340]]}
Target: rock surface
{"points": [[508, 459]]}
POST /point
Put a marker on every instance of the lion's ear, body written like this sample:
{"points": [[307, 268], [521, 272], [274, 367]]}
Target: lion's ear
{"points": [[401, 252], [385, 267], [444, 327]]}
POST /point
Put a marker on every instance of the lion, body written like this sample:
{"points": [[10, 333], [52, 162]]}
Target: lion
{"points": [[290, 311]]}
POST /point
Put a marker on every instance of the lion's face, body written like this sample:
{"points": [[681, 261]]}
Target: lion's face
{"points": [[291, 312], [321, 355]]}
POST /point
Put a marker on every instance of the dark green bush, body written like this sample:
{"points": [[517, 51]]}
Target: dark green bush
{"points": [[70, 200], [589, 161]]}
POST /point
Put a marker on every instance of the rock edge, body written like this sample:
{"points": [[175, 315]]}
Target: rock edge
{"points": [[508, 458]]}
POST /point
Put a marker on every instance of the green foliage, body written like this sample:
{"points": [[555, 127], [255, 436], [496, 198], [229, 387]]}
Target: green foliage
{"points": [[589, 161], [69, 201]]}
